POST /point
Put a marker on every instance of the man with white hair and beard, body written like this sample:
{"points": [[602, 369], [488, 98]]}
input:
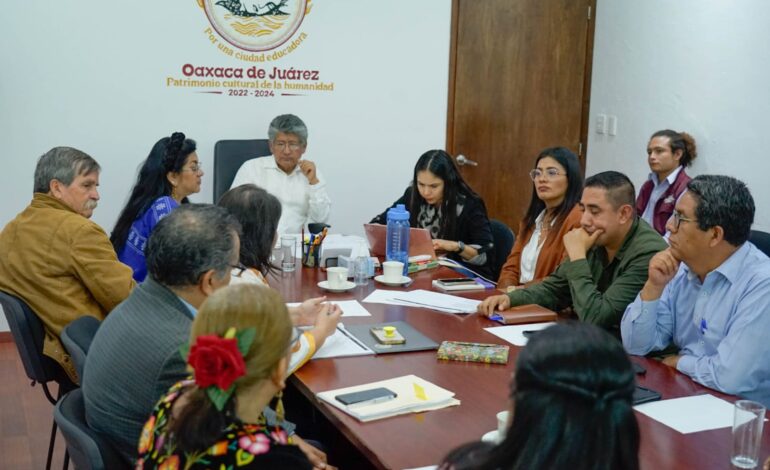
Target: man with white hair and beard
{"points": [[57, 260]]}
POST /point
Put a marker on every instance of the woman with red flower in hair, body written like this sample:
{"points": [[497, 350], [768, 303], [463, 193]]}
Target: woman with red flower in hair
{"points": [[239, 352]]}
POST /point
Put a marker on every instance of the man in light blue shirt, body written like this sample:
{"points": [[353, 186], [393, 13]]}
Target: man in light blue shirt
{"points": [[708, 293]]}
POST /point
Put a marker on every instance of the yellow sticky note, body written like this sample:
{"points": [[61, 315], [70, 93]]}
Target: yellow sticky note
{"points": [[419, 392]]}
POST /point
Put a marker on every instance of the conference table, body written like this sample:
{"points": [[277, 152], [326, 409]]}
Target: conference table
{"points": [[422, 439]]}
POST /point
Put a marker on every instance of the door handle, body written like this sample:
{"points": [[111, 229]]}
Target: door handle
{"points": [[462, 160]]}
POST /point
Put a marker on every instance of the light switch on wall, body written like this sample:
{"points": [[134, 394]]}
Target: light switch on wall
{"points": [[612, 125], [601, 123]]}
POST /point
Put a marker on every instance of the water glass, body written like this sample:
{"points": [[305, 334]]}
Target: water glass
{"points": [[288, 247], [747, 433], [361, 271]]}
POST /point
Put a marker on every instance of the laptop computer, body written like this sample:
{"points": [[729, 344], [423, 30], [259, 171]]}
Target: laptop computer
{"points": [[420, 241]]}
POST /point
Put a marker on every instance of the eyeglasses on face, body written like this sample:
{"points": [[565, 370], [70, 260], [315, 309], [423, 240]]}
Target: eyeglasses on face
{"points": [[679, 218], [550, 173], [196, 168], [293, 146]]}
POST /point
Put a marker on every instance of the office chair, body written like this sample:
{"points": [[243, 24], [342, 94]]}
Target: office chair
{"points": [[77, 337], [29, 335], [761, 240], [229, 155], [89, 450], [503, 237]]}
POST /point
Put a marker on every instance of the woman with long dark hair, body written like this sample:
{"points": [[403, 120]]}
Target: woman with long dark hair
{"points": [[239, 348], [553, 211], [571, 402], [441, 201], [259, 212], [170, 174]]}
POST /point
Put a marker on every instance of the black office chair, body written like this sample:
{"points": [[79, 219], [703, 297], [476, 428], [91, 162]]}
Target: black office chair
{"points": [[29, 335], [503, 237], [229, 155], [88, 449], [761, 240], [77, 337]]}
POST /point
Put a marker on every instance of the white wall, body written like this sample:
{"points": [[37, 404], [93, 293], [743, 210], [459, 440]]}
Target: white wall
{"points": [[91, 75], [693, 65]]}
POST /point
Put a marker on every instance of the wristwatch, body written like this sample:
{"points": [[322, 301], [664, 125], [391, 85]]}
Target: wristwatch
{"points": [[460, 247]]}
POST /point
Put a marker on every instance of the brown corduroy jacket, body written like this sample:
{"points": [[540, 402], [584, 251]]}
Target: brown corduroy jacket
{"points": [[63, 266]]}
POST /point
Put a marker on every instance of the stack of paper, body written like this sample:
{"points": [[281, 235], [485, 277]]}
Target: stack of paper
{"points": [[342, 344], [424, 298], [350, 308], [514, 334], [413, 395]]}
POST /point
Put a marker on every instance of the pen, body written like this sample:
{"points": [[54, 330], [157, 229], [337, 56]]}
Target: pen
{"points": [[342, 330]]}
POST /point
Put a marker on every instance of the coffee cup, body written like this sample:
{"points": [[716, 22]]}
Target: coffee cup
{"points": [[502, 424], [337, 277], [392, 271]]}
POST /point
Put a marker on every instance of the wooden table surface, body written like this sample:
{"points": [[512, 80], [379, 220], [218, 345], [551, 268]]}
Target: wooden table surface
{"points": [[423, 439]]}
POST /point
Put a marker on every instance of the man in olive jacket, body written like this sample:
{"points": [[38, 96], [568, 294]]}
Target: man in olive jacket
{"points": [[57, 260], [607, 258]]}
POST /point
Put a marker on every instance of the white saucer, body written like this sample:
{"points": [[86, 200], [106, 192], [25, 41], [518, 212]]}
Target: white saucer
{"points": [[381, 279], [492, 437], [346, 287]]}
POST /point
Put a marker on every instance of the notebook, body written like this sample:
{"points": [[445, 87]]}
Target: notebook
{"points": [[413, 395], [529, 313], [420, 241]]}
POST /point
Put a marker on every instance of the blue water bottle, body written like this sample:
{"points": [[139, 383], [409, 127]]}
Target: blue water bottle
{"points": [[397, 247]]}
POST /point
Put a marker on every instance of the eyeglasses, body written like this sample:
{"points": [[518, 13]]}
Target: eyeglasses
{"points": [[238, 268], [550, 173], [194, 168], [293, 146], [679, 218]]}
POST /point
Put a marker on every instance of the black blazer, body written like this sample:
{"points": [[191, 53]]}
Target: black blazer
{"points": [[472, 228]]}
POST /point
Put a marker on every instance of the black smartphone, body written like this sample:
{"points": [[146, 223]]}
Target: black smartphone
{"points": [[645, 395], [530, 333], [369, 397], [455, 281]]}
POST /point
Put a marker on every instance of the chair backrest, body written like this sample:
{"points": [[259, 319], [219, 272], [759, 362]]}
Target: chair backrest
{"points": [[229, 155], [761, 240], [503, 237], [29, 336], [77, 337], [87, 449]]}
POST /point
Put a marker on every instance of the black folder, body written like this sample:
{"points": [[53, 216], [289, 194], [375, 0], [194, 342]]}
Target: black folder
{"points": [[415, 341]]}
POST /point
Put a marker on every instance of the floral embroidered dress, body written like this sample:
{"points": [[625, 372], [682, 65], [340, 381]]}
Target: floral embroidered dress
{"points": [[240, 446]]}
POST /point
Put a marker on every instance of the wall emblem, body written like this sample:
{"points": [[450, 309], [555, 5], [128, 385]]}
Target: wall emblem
{"points": [[256, 27]]}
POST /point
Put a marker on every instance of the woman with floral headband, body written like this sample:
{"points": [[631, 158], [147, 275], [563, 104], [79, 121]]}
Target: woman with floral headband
{"points": [[239, 352]]}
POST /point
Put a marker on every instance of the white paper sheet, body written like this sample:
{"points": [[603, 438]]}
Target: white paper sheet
{"points": [[342, 344], [514, 334], [690, 414], [424, 299], [350, 308]]}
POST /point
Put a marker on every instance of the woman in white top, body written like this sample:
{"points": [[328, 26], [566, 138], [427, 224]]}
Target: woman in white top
{"points": [[557, 184], [259, 212]]}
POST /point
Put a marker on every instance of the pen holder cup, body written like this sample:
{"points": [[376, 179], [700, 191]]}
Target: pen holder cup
{"points": [[311, 255]]}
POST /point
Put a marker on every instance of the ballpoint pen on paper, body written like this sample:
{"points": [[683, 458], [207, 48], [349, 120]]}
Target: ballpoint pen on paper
{"points": [[342, 330]]}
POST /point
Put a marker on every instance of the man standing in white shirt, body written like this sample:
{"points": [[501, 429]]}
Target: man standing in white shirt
{"points": [[298, 184]]}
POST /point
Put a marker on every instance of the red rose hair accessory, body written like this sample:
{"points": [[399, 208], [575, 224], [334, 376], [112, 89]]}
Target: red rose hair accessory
{"points": [[218, 361]]}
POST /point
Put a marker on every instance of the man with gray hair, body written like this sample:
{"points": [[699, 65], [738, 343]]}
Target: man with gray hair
{"points": [[54, 258], [134, 357], [707, 293], [297, 183]]}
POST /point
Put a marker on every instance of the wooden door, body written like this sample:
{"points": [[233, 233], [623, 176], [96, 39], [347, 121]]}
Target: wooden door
{"points": [[519, 82]]}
